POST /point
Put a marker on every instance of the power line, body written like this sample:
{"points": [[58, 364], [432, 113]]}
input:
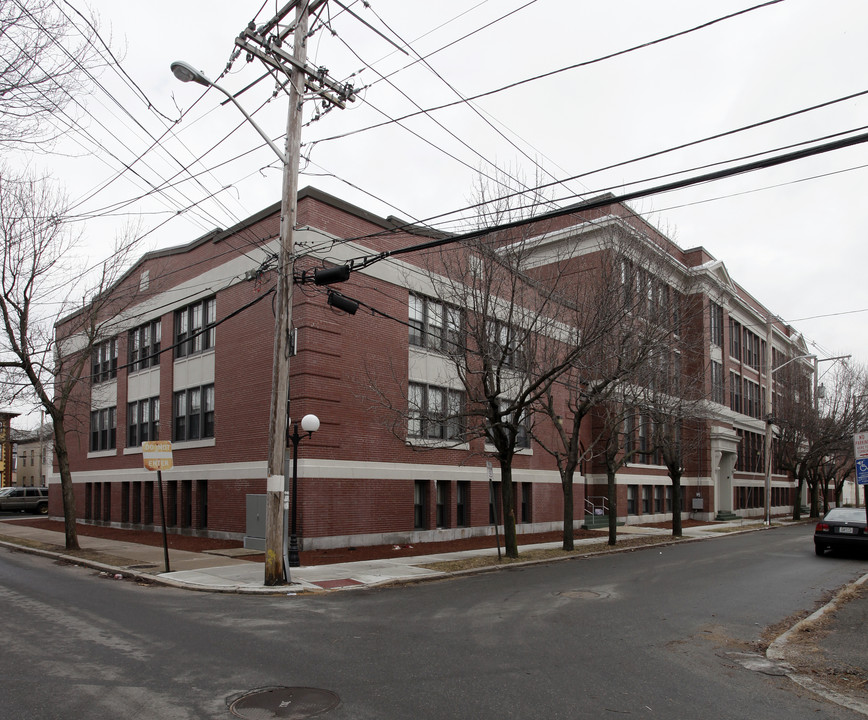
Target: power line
{"points": [[596, 203], [558, 71]]}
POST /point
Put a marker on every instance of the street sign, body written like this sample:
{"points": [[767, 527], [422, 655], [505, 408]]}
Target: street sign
{"points": [[157, 454], [860, 445], [862, 472]]}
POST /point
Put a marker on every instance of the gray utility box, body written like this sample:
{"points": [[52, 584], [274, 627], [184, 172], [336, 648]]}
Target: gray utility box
{"points": [[254, 537]]}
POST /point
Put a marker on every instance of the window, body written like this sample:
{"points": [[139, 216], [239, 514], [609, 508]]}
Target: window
{"points": [[195, 328], [194, 414], [627, 281], [522, 430], [504, 345], [632, 497], [495, 511], [751, 452], [522, 437], [104, 363], [435, 413], [143, 346], [526, 502], [103, 429], [434, 325], [751, 399], [716, 382], [629, 432], [675, 301], [734, 339], [646, 499], [644, 423], [143, 421], [442, 497], [462, 504], [716, 324], [734, 392], [659, 502], [420, 504], [751, 349]]}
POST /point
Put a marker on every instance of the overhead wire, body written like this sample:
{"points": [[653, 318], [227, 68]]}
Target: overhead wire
{"points": [[765, 4], [551, 73]]}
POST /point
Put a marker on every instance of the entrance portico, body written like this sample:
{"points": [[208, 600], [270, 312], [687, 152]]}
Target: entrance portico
{"points": [[724, 452]]}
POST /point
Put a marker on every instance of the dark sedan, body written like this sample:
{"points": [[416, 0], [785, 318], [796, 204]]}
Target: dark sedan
{"points": [[842, 528]]}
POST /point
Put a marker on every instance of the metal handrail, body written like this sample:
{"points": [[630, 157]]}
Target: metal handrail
{"points": [[594, 506]]}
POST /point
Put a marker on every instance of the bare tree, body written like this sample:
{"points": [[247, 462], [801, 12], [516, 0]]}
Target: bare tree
{"points": [[674, 402], [612, 338], [38, 285], [813, 438], [504, 314], [794, 426], [48, 53]]}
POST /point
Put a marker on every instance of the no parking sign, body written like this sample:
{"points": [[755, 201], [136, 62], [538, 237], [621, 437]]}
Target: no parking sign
{"points": [[860, 450]]}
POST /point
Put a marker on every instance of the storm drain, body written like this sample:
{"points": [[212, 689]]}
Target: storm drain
{"points": [[284, 702]]}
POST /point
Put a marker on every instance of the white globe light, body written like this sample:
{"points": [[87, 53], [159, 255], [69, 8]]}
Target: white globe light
{"points": [[310, 423]]}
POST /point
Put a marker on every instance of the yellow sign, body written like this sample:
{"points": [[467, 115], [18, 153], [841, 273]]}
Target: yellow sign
{"points": [[157, 454]]}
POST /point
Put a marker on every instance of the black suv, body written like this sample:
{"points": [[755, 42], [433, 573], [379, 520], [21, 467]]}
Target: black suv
{"points": [[25, 499]]}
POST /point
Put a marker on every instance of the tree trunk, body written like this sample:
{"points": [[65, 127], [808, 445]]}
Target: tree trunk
{"points": [[507, 492], [613, 506], [66, 490], [676, 503], [814, 488], [797, 504], [567, 483]]}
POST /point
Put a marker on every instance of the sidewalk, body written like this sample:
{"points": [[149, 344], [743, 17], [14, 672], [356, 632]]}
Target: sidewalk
{"points": [[837, 649], [227, 571]]}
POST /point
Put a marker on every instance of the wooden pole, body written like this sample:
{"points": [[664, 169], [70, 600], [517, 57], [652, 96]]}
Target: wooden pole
{"points": [[275, 573]]}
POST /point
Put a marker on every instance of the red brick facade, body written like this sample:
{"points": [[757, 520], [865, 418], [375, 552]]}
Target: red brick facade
{"points": [[359, 481]]}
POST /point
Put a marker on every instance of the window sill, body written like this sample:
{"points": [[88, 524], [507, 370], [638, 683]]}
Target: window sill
{"points": [[192, 444], [489, 448], [444, 444], [102, 453], [194, 355], [134, 373]]}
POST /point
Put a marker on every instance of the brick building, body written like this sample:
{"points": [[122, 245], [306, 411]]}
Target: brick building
{"points": [[188, 359]]}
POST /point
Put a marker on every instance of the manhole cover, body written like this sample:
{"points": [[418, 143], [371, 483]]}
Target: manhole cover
{"points": [[284, 702], [582, 594]]}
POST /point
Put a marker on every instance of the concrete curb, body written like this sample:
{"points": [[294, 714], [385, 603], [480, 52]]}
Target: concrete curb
{"points": [[127, 574], [296, 588], [777, 652]]}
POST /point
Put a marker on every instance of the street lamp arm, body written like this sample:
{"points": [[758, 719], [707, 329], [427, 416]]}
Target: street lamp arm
{"points": [[187, 73], [799, 357]]}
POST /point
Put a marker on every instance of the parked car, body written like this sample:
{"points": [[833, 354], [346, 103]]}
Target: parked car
{"points": [[842, 528], [25, 499]]}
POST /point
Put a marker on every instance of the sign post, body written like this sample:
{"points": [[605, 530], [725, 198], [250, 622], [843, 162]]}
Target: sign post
{"points": [[860, 451], [157, 455]]}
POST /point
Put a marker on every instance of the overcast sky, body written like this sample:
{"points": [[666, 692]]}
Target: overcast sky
{"points": [[793, 236]]}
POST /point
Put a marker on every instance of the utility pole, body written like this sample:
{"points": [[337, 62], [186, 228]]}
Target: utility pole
{"points": [[767, 411], [278, 419], [266, 43]]}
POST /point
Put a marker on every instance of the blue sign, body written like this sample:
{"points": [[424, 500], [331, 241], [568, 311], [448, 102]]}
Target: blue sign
{"points": [[862, 471]]}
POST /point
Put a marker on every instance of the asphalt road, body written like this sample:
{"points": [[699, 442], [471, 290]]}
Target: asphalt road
{"points": [[656, 633]]}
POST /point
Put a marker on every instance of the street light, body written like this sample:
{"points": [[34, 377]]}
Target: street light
{"points": [[309, 424], [276, 479], [187, 73]]}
